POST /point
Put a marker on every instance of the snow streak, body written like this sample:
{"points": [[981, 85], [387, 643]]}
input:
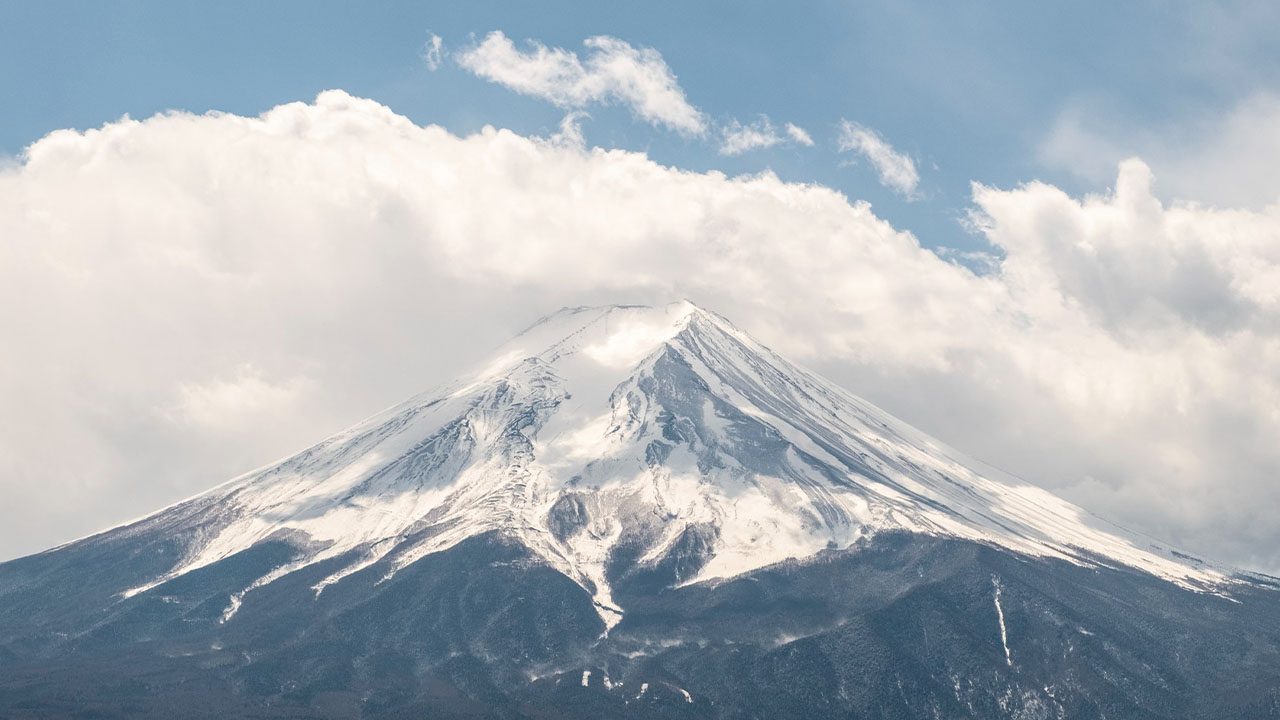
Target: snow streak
{"points": [[1004, 634]]}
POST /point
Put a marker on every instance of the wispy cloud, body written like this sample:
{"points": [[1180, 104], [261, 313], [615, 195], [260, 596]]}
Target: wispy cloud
{"points": [[897, 170], [433, 52], [736, 138], [799, 134], [611, 71], [570, 133]]}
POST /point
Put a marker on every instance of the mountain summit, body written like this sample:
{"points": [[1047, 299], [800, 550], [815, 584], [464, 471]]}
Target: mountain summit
{"points": [[650, 497], [660, 430]]}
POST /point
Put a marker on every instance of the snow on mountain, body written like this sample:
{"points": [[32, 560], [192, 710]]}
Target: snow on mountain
{"points": [[658, 434]]}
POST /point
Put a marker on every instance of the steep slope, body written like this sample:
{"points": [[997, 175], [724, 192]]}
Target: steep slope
{"points": [[644, 496], [658, 430]]}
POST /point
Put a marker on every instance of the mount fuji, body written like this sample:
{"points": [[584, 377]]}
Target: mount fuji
{"points": [[632, 512]]}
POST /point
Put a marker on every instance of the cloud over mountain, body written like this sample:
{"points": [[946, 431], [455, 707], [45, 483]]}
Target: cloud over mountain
{"points": [[212, 291]]}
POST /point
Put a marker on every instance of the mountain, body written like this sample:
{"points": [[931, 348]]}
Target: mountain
{"points": [[632, 512]]}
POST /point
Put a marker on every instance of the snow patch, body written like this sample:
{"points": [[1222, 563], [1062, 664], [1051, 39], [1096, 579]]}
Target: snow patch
{"points": [[1004, 634]]}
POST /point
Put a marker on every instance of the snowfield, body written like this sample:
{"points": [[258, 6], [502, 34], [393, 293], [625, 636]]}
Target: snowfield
{"points": [[664, 431]]}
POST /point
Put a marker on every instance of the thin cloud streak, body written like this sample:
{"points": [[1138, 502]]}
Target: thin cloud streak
{"points": [[799, 134], [896, 170], [433, 52]]}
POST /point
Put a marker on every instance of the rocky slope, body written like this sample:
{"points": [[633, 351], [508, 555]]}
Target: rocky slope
{"points": [[633, 511]]}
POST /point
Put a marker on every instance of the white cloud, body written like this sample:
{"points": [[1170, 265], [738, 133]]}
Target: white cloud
{"points": [[570, 132], [244, 397], [736, 138], [897, 171], [304, 268], [798, 134], [1228, 160], [433, 52], [612, 71]]}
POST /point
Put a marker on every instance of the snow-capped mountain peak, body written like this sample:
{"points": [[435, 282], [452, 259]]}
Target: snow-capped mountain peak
{"points": [[615, 441]]}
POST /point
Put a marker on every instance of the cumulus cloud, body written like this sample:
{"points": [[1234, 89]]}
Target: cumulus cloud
{"points": [[433, 52], [736, 138], [897, 171], [611, 71], [1227, 160], [186, 297]]}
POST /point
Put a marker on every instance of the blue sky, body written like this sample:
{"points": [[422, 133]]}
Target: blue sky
{"points": [[970, 91]]}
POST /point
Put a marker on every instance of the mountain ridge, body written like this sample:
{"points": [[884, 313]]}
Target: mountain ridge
{"points": [[556, 407], [632, 512]]}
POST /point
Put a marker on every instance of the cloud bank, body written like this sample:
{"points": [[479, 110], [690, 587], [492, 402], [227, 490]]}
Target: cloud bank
{"points": [[897, 171], [612, 71], [186, 297]]}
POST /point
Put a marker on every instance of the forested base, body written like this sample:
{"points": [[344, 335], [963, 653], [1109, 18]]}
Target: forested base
{"points": [[901, 627]]}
